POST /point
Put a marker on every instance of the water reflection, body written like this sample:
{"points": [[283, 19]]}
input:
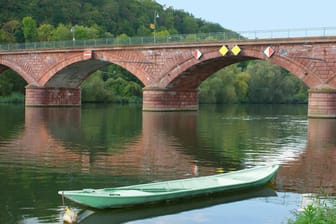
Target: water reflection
{"points": [[169, 145], [313, 171], [57, 137], [13, 116], [43, 150], [138, 213]]}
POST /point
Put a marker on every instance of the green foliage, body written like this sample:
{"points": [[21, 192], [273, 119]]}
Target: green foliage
{"points": [[62, 33], [112, 85], [84, 33], [45, 32], [11, 31], [122, 39], [241, 86], [11, 82], [29, 29], [255, 82], [5, 87], [109, 17], [229, 85], [271, 84], [93, 90], [189, 24], [12, 98], [316, 214]]}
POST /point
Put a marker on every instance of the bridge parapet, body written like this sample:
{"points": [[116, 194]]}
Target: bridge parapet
{"points": [[178, 38]]}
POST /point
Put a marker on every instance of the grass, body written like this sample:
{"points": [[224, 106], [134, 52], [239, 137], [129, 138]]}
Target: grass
{"points": [[319, 212]]}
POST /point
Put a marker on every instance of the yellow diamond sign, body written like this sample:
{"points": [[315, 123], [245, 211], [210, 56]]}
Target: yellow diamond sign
{"points": [[223, 50], [235, 50]]}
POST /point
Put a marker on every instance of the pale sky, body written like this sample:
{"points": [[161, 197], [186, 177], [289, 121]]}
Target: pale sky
{"points": [[247, 15]]}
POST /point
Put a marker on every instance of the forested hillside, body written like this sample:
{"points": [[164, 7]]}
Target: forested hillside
{"points": [[99, 18], [53, 20]]}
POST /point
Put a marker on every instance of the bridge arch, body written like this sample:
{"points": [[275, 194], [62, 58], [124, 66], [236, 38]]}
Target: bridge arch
{"points": [[129, 62], [71, 71], [199, 70], [24, 73], [299, 70]]}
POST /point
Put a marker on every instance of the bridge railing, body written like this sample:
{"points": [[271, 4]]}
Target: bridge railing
{"points": [[180, 38], [290, 33]]}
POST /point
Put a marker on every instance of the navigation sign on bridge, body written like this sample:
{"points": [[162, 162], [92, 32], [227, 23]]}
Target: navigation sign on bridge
{"points": [[87, 54], [269, 52], [223, 50], [235, 50], [197, 54]]}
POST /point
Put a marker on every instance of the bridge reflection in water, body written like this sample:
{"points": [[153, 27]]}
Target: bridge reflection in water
{"points": [[314, 170], [52, 138]]}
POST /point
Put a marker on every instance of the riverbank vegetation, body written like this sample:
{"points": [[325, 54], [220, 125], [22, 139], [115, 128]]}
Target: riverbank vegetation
{"points": [[12, 87], [317, 212], [30, 21], [253, 82]]}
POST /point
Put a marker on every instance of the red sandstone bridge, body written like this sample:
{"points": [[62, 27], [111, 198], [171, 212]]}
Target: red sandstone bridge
{"points": [[172, 68]]}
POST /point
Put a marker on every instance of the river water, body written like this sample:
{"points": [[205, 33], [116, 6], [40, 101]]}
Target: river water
{"points": [[43, 150]]}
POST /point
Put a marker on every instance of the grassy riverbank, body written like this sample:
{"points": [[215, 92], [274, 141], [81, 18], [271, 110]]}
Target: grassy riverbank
{"points": [[319, 212]]}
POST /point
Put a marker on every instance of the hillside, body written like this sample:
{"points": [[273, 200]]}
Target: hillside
{"points": [[100, 18]]}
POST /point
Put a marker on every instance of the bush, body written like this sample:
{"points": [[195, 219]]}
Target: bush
{"points": [[12, 98], [321, 213]]}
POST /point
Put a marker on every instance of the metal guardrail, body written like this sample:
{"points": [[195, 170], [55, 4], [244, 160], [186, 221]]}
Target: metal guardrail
{"points": [[180, 38], [290, 33]]}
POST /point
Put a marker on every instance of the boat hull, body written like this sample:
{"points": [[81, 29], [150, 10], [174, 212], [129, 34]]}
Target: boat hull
{"points": [[170, 190]]}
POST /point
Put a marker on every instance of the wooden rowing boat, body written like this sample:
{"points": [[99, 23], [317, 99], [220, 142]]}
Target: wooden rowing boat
{"points": [[173, 189]]}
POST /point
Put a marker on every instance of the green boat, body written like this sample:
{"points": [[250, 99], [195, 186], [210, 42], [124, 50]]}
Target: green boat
{"points": [[173, 189]]}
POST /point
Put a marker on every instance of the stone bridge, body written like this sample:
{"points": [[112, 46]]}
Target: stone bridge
{"points": [[172, 72]]}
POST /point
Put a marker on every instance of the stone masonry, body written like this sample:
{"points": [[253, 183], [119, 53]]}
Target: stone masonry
{"points": [[172, 73]]}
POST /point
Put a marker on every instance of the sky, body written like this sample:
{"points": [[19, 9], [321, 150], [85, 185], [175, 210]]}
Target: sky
{"points": [[250, 15]]}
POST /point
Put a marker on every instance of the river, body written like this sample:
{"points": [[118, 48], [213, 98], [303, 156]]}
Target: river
{"points": [[43, 150]]}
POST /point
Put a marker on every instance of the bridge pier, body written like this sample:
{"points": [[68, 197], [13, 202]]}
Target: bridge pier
{"points": [[322, 103], [50, 96], [160, 99]]}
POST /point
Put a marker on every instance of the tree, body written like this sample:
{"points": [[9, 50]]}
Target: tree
{"points": [[189, 25], [260, 84], [143, 31], [29, 29], [122, 39], [208, 27], [11, 31], [11, 82], [84, 33], [271, 84], [45, 32], [62, 33], [242, 87], [93, 89], [222, 86]]}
